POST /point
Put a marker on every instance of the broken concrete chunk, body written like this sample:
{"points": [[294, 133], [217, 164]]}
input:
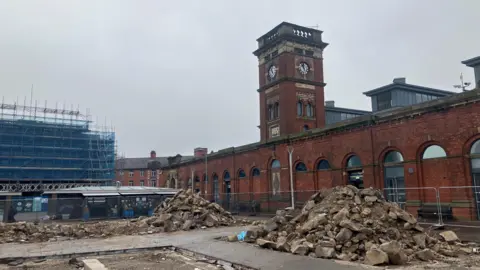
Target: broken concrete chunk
{"points": [[425, 255], [449, 236], [325, 252], [376, 256]]}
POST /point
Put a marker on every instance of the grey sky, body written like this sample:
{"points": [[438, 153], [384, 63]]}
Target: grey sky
{"points": [[174, 75]]}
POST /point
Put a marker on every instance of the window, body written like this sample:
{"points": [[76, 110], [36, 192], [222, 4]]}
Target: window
{"points": [[130, 183], [275, 164], [299, 108], [384, 101], [309, 110], [393, 157], [130, 174], [142, 173], [142, 183], [226, 176], [354, 161], [323, 165], [241, 174], [306, 127], [434, 151], [154, 173], [121, 173], [153, 183], [475, 150], [276, 110], [271, 115], [300, 167], [255, 172]]}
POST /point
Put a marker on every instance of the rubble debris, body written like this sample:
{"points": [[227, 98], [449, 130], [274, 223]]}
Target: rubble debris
{"points": [[350, 224], [184, 211]]}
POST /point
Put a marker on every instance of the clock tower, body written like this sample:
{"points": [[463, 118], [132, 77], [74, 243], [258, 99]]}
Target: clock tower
{"points": [[291, 80]]}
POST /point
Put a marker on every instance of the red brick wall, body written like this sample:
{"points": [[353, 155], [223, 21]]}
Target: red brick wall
{"points": [[455, 130]]}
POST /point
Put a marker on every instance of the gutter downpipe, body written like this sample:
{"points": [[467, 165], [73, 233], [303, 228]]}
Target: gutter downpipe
{"points": [[292, 189]]}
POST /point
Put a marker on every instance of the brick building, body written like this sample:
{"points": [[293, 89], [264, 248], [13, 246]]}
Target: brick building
{"points": [[415, 140]]}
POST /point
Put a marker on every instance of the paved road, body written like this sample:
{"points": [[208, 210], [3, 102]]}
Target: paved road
{"points": [[198, 241]]}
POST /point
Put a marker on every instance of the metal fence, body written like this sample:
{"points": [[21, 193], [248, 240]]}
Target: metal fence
{"points": [[77, 208], [451, 205]]}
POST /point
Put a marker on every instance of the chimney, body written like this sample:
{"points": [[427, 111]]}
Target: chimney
{"points": [[330, 103], [153, 154], [200, 152], [400, 80]]}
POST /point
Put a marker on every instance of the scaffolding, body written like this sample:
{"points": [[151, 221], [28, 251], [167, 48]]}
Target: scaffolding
{"points": [[44, 149]]}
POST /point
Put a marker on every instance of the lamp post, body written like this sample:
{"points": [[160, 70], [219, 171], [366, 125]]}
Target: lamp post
{"points": [[206, 172], [292, 192]]}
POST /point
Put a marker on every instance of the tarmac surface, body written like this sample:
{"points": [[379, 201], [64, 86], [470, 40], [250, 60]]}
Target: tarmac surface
{"points": [[202, 242]]}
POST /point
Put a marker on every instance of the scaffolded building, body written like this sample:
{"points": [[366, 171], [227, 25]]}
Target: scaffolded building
{"points": [[46, 149]]}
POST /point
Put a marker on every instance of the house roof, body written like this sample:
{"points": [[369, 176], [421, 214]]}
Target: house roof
{"points": [[113, 191], [472, 62], [144, 162], [409, 87]]}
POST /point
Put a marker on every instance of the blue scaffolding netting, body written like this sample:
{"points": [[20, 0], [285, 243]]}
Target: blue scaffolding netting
{"points": [[52, 145]]}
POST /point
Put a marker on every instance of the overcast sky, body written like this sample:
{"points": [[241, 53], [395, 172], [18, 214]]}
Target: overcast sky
{"points": [[175, 75]]}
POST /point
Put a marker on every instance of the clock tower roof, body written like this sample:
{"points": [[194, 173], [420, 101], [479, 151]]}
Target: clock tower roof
{"points": [[286, 31]]}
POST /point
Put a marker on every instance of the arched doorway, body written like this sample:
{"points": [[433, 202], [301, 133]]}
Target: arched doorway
{"points": [[227, 189], [216, 196], [275, 174], [301, 183], [196, 184], [475, 166], [394, 175], [354, 171]]}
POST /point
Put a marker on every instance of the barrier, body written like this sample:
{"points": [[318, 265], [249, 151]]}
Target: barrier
{"points": [[464, 201], [413, 199], [42, 209]]}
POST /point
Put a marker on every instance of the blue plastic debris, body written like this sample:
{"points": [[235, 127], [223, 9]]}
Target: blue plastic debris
{"points": [[241, 236]]}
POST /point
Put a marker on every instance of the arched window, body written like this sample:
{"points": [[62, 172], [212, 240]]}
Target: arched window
{"points": [[354, 162], [434, 151], [275, 164], [255, 172], [226, 176], [309, 110], [306, 127], [241, 174], [393, 157], [276, 110], [475, 150], [299, 108], [323, 165], [300, 167]]}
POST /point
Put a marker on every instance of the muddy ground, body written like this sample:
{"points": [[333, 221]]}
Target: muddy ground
{"points": [[152, 260]]}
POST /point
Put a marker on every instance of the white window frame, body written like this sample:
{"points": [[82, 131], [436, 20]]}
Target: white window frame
{"points": [[130, 183], [130, 173]]}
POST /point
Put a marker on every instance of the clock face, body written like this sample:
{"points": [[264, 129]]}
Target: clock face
{"points": [[272, 72], [303, 68]]}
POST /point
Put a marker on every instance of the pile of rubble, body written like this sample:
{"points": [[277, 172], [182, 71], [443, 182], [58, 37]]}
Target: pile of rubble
{"points": [[186, 211], [356, 225], [31, 232]]}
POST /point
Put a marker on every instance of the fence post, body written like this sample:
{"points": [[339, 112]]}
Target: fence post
{"points": [[439, 207]]}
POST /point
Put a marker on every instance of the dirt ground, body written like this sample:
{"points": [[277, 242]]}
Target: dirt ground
{"points": [[152, 260]]}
